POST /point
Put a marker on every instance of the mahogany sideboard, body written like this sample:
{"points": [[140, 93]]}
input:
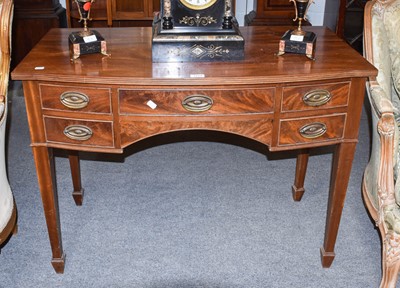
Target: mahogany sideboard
{"points": [[104, 104]]}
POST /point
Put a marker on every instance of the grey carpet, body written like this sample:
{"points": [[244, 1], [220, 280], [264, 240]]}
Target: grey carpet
{"points": [[182, 211]]}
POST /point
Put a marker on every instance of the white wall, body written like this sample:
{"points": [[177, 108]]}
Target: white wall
{"points": [[316, 13], [241, 10]]}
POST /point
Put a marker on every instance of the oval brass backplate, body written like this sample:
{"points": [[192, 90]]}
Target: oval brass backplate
{"points": [[74, 100], [317, 97], [197, 103], [313, 130], [78, 132]]}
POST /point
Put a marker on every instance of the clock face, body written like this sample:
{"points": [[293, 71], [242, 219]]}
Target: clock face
{"points": [[198, 4]]}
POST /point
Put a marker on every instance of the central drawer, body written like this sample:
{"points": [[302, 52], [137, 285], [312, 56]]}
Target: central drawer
{"points": [[195, 102]]}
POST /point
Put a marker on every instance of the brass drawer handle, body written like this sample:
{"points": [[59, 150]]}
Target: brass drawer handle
{"points": [[74, 100], [78, 132], [197, 103], [313, 130], [317, 97]]}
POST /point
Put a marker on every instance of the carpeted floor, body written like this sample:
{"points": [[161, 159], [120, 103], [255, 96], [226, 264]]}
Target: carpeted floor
{"points": [[182, 211]]}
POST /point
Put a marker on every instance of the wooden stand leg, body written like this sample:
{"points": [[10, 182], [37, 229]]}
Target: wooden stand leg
{"points": [[15, 230], [78, 192], [301, 169], [340, 175], [44, 162]]}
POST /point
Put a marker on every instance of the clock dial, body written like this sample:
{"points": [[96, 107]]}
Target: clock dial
{"points": [[198, 4]]}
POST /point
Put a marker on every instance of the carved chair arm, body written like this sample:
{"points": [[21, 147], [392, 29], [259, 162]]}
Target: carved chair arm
{"points": [[380, 100], [388, 210]]}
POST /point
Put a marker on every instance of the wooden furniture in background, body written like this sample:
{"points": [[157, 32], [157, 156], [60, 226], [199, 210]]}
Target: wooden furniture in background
{"points": [[271, 12], [32, 20], [105, 104], [340, 19], [350, 22], [100, 14], [116, 13]]}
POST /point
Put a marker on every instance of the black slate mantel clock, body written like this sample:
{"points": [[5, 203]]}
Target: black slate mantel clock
{"points": [[196, 30]]}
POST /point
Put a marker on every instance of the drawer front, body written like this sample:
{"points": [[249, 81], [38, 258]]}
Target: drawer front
{"points": [[298, 98], [311, 130], [196, 102], [74, 98], [80, 132]]}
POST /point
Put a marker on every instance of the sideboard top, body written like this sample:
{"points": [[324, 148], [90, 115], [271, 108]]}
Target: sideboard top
{"points": [[130, 61]]}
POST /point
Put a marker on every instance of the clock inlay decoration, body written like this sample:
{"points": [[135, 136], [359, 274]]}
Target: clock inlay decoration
{"points": [[196, 31]]}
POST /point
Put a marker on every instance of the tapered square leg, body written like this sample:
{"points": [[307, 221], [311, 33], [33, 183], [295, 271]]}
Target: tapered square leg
{"points": [[340, 175], [58, 264], [44, 162], [301, 169], [326, 258], [74, 163]]}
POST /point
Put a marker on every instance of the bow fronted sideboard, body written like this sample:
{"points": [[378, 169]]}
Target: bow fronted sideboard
{"points": [[104, 104]]}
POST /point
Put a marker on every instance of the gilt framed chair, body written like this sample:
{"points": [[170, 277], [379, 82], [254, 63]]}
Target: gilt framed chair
{"points": [[8, 212], [381, 183]]}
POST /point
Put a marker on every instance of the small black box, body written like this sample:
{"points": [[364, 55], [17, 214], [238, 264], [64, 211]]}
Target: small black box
{"points": [[78, 45], [306, 46]]}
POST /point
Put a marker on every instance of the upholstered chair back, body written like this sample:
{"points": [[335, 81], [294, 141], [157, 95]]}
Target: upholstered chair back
{"points": [[381, 184], [7, 207]]}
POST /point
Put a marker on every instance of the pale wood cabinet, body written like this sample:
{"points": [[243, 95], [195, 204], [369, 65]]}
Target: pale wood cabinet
{"points": [[116, 13]]}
